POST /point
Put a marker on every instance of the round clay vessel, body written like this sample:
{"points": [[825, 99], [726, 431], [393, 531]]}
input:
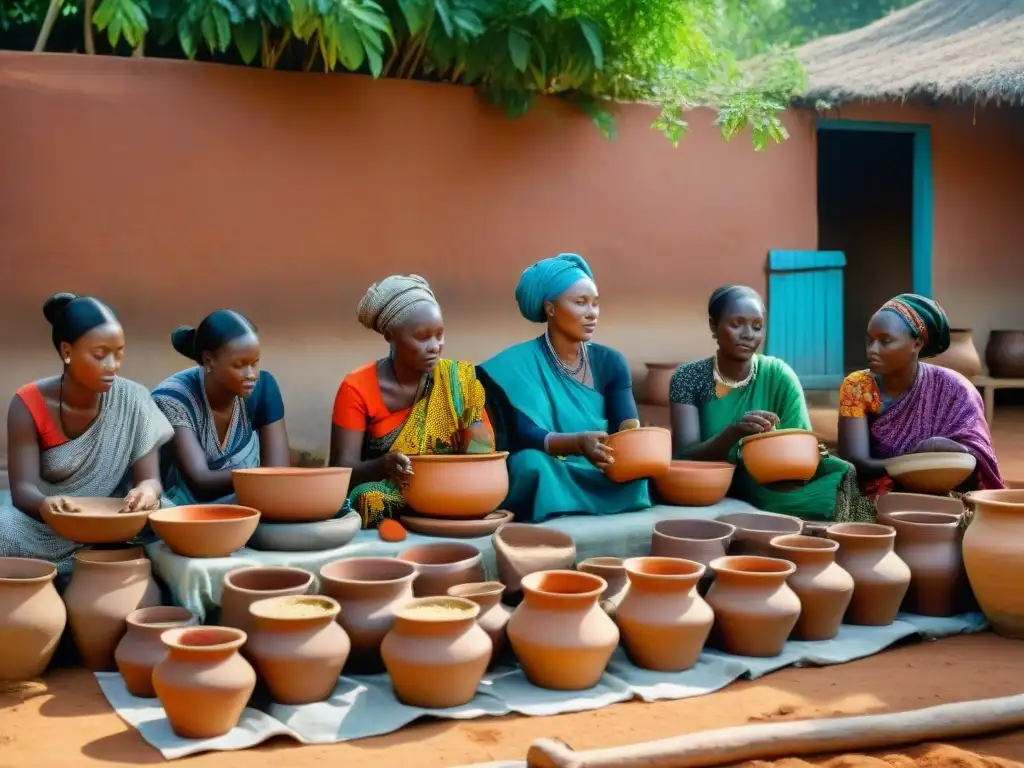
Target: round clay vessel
{"points": [[639, 453], [435, 653], [442, 565], [664, 622], [457, 485], [521, 549], [691, 539], [368, 589], [824, 588], [297, 647], [895, 501], [880, 578], [937, 473], [98, 522], [755, 531], [141, 649], [929, 543], [613, 571], [991, 549], [962, 356], [292, 494], [1004, 354], [203, 683], [32, 617], [695, 483], [107, 585], [205, 530], [782, 454], [755, 610], [493, 617], [243, 587], [560, 635]]}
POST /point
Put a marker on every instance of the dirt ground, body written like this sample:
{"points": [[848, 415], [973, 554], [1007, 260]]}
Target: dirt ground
{"points": [[65, 722]]}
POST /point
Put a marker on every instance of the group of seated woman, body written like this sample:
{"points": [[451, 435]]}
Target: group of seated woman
{"points": [[551, 402]]}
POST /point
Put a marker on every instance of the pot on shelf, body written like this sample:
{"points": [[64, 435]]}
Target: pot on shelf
{"points": [[1004, 354], [32, 617], [991, 550], [962, 356], [880, 577]]}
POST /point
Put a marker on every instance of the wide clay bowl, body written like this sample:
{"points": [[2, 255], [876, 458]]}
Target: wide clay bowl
{"points": [[755, 531], [205, 530], [931, 472], [691, 539], [98, 522], [695, 483], [306, 537], [640, 452], [467, 486], [521, 549], [293, 494], [890, 503], [442, 565], [780, 455]]}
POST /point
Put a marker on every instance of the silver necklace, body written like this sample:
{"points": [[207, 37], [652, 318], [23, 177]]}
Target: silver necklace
{"points": [[726, 382], [570, 372]]}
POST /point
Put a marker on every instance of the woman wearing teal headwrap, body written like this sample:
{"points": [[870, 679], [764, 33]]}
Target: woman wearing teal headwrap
{"points": [[554, 399]]}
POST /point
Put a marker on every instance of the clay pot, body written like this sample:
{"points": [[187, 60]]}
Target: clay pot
{"points": [[562, 639], [664, 622], [98, 520], [457, 485], [521, 549], [782, 454], [243, 587], [612, 570], [297, 647], [991, 549], [32, 617], [368, 589], [962, 355], [895, 501], [1004, 354], [755, 610], [293, 494], [639, 453], [824, 588], [141, 649], [695, 483], [659, 378], [106, 586], [493, 617], [880, 577], [205, 530], [937, 472], [442, 565], [691, 539], [929, 543], [436, 654], [755, 531], [203, 683]]}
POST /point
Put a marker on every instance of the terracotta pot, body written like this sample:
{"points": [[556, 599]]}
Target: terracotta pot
{"points": [[664, 622], [292, 494], [368, 590], [824, 588], [691, 539], [32, 617], [755, 531], [755, 610], [203, 683], [937, 473], [141, 649], [1004, 354], [991, 549], [106, 586], [894, 501], [97, 521], [613, 571], [639, 453], [695, 483], [493, 617], [521, 549], [881, 579], [929, 543], [962, 355], [205, 530], [297, 647], [562, 639], [782, 454], [243, 587], [457, 485], [436, 654], [442, 565]]}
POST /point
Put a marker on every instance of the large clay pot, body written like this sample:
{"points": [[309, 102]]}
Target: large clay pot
{"points": [[297, 647], [368, 590], [243, 587], [962, 355], [824, 588], [32, 617], [203, 683], [613, 571], [881, 579], [493, 617], [695, 483], [521, 549], [664, 622], [443, 564], [659, 378], [781, 455], [562, 639], [1005, 354], [691, 539], [462, 486], [436, 653], [929, 543], [991, 547], [639, 453], [755, 531], [755, 610], [141, 649], [292, 494], [106, 586]]}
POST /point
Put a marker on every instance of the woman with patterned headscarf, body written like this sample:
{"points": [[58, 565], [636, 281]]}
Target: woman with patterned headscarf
{"points": [[554, 399], [410, 402]]}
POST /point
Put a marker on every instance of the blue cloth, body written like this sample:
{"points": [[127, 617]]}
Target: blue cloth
{"points": [[546, 281]]}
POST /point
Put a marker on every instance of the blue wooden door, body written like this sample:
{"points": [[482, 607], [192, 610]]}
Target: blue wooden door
{"points": [[805, 314]]}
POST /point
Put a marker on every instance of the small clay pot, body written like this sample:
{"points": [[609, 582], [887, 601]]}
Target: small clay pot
{"points": [[755, 531], [32, 617], [782, 454], [205, 530], [293, 494], [895, 501], [442, 565], [141, 649], [991, 548], [1005, 354], [962, 356], [881, 579], [244, 586], [613, 571], [824, 588], [929, 543], [639, 453], [659, 378], [695, 483], [521, 549], [464, 486], [691, 539], [493, 617]]}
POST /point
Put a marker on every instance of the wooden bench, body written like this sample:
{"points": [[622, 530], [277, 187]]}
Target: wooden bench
{"points": [[989, 385]]}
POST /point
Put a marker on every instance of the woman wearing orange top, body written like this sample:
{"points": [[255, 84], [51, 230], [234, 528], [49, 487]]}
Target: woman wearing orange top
{"points": [[410, 402]]}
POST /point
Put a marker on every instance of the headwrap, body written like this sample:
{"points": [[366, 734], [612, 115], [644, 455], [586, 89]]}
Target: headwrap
{"points": [[925, 318], [389, 302], [546, 281], [723, 296]]}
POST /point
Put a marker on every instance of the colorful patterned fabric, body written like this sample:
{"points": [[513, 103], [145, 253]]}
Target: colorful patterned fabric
{"points": [[859, 396], [926, 319]]}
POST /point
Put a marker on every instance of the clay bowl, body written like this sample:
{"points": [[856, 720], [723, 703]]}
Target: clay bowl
{"points": [[468, 486], [691, 539], [205, 530], [892, 502], [755, 531], [442, 565], [306, 537], [98, 523], [931, 472], [521, 549], [695, 483], [293, 494], [641, 452], [779, 455]]}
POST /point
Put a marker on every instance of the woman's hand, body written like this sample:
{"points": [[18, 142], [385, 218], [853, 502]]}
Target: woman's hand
{"points": [[397, 467], [939, 445], [753, 423], [64, 504], [593, 447], [142, 498]]}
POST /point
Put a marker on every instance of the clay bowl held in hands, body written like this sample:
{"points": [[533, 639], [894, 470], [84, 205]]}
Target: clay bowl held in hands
{"points": [[442, 565], [205, 530], [97, 522], [783, 454], [691, 539], [638, 453], [460, 486], [293, 494], [695, 483], [755, 531], [931, 472]]}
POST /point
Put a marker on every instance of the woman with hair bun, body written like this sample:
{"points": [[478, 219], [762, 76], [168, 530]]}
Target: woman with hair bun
{"points": [[227, 414], [86, 432]]}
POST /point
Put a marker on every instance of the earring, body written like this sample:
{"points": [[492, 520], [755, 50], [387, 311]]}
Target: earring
{"points": [[209, 369], [67, 361]]}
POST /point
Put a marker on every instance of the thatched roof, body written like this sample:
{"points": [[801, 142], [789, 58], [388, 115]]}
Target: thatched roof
{"points": [[934, 50]]}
